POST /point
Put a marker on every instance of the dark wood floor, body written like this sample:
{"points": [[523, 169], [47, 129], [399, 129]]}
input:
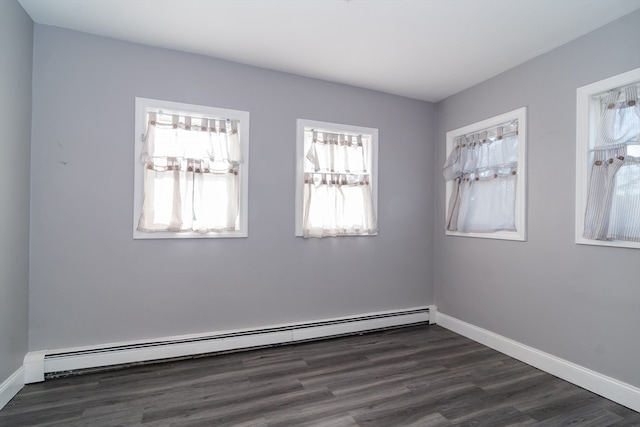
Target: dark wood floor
{"points": [[415, 376]]}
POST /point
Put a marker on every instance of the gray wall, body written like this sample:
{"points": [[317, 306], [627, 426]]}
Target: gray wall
{"points": [[581, 303], [16, 57], [91, 283]]}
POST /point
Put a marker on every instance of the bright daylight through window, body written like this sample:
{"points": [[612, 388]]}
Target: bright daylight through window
{"points": [[191, 171], [336, 180]]}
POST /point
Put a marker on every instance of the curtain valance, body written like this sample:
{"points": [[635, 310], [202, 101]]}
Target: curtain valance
{"points": [[185, 137], [488, 154], [620, 119], [340, 153]]}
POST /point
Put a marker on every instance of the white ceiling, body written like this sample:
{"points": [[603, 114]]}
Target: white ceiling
{"points": [[423, 49]]}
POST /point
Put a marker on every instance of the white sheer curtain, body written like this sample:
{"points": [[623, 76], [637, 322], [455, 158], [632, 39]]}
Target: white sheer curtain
{"points": [[337, 186], [484, 169], [191, 174], [613, 198]]}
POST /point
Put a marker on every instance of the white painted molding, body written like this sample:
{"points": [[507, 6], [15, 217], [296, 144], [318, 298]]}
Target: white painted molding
{"points": [[11, 386], [610, 388], [59, 360], [34, 367], [433, 314]]}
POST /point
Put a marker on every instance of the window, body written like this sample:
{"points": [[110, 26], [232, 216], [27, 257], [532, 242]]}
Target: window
{"points": [[608, 162], [336, 185], [485, 174], [191, 171]]}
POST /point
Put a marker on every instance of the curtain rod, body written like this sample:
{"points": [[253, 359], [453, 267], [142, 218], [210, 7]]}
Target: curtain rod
{"points": [[162, 113], [337, 133], [615, 89], [510, 123]]}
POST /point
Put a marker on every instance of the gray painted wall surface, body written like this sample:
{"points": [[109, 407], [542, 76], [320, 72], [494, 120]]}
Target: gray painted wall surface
{"points": [[580, 303], [91, 283], [16, 57]]}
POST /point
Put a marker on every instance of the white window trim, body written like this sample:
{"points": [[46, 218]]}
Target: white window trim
{"points": [[587, 116], [519, 114], [300, 155], [142, 107]]}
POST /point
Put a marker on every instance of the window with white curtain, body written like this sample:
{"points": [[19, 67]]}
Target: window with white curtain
{"points": [[336, 186], [191, 171], [485, 178], [608, 162]]}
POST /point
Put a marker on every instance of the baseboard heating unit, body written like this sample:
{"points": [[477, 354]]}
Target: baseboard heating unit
{"points": [[57, 362]]}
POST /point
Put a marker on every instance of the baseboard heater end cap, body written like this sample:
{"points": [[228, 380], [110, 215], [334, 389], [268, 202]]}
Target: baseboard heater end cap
{"points": [[34, 367], [433, 314]]}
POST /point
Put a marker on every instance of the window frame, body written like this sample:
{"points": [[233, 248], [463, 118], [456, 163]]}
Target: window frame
{"points": [[304, 124], [519, 114], [587, 117], [145, 105]]}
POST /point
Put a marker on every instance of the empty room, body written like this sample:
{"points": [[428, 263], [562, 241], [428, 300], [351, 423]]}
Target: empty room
{"points": [[319, 213]]}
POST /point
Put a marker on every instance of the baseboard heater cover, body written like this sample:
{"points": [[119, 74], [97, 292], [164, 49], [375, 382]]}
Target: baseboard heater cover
{"points": [[69, 360]]}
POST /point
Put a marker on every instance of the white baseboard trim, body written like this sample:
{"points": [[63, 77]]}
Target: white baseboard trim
{"points": [[77, 358], [617, 391], [11, 386]]}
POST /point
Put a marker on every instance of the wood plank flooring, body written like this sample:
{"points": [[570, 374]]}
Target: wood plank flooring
{"points": [[415, 376]]}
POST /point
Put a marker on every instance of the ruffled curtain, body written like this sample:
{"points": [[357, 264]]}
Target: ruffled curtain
{"points": [[484, 169], [191, 174], [337, 187], [613, 198]]}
